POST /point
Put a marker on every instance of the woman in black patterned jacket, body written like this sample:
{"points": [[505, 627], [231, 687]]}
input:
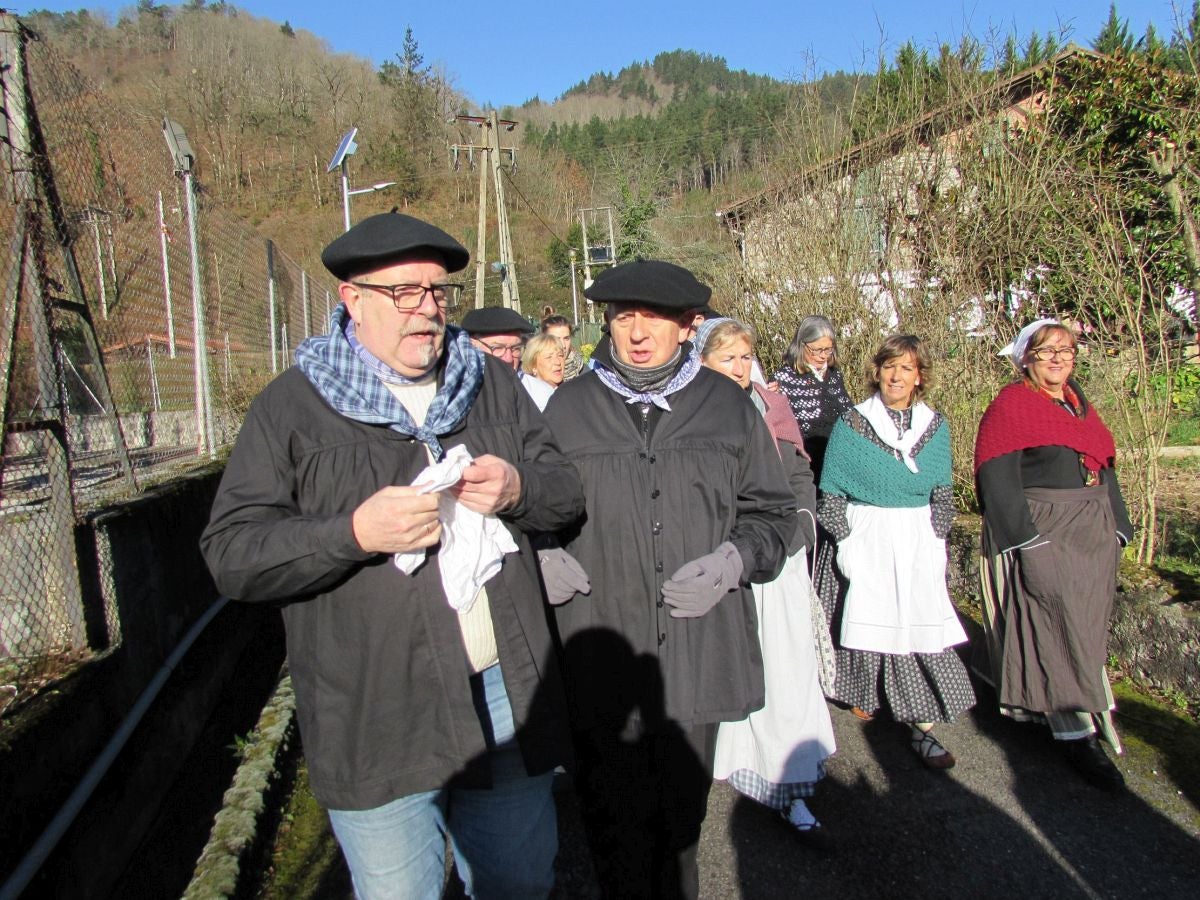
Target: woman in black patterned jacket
{"points": [[812, 382]]}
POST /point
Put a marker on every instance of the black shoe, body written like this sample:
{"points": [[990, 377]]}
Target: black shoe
{"points": [[815, 836], [1089, 760]]}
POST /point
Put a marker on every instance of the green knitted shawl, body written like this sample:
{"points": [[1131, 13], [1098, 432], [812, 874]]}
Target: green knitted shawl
{"points": [[863, 472]]}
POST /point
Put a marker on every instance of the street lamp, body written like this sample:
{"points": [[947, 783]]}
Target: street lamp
{"points": [[380, 186], [345, 148], [184, 159]]}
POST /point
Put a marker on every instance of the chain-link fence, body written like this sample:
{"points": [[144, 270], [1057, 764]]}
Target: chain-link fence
{"points": [[135, 327]]}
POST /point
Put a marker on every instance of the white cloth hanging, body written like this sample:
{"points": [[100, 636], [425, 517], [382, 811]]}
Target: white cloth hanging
{"points": [[473, 545]]}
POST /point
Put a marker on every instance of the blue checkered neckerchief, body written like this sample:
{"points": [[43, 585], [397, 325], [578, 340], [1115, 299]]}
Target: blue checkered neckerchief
{"points": [[678, 381], [352, 381]]}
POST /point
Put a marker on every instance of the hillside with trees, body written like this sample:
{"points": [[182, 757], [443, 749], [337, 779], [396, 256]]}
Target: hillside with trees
{"points": [[663, 141]]}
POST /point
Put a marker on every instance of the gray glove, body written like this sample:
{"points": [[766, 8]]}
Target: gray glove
{"points": [[698, 585], [562, 575]]}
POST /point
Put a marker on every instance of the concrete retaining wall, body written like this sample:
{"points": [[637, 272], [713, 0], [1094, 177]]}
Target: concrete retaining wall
{"points": [[145, 564]]}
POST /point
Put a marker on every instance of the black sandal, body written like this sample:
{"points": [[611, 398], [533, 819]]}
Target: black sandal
{"points": [[926, 747]]}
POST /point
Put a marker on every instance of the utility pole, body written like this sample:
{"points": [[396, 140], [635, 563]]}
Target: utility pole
{"points": [[574, 291], [494, 152], [481, 248], [601, 254]]}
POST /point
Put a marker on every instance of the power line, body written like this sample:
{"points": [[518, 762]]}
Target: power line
{"points": [[536, 214]]}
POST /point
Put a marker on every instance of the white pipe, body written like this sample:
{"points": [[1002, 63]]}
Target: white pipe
{"points": [[36, 856]]}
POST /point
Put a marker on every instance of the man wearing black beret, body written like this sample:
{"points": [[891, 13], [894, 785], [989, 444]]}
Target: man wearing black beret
{"points": [[499, 331], [428, 699], [687, 504]]}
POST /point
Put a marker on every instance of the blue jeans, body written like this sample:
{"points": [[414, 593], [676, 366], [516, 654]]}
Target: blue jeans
{"points": [[504, 839]]}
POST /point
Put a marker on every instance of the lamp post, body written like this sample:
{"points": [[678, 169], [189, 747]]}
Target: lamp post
{"points": [[345, 148], [184, 158], [347, 193]]}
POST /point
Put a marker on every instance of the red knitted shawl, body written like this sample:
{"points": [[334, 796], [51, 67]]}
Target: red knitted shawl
{"points": [[780, 419], [1020, 418]]}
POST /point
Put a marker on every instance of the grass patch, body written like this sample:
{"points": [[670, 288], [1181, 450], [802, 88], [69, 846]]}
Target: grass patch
{"points": [[1182, 574], [1184, 433], [306, 863], [1161, 735]]}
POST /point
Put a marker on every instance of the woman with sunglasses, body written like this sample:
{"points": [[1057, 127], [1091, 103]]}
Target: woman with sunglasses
{"points": [[1054, 525], [812, 382]]}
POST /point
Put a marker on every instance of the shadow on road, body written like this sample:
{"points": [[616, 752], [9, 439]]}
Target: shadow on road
{"points": [[1110, 845], [1010, 820]]}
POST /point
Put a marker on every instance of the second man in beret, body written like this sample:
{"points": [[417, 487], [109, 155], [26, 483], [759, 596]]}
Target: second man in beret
{"points": [[500, 331], [687, 504]]}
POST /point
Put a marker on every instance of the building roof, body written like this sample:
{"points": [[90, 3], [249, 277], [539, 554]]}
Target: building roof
{"points": [[936, 123]]}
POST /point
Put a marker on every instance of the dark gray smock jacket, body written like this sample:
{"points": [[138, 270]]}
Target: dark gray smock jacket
{"points": [[377, 660], [708, 473]]}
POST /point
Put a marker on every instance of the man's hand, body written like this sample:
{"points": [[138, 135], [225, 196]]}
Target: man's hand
{"points": [[697, 586], [489, 485], [562, 575], [396, 520]]}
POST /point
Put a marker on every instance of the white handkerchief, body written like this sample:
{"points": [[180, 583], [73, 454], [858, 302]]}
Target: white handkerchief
{"points": [[473, 545]]}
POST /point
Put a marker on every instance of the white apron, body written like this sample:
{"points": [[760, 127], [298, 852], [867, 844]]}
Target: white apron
{"points": [[786, 741], [897, 601]]}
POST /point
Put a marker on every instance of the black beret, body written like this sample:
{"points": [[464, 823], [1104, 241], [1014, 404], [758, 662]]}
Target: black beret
{"points": [[649, 281], [495, 320], [378, 241]]}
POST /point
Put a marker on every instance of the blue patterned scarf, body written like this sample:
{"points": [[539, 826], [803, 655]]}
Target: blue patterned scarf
{"points": [[352, 381], [659, 398]]}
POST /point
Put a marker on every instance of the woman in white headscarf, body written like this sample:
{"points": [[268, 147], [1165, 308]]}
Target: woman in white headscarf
{"points": [[777, 755], [1054, 524]]}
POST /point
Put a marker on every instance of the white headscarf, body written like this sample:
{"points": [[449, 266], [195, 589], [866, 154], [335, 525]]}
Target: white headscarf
{"points": [[704, 331], [1016, 350]]}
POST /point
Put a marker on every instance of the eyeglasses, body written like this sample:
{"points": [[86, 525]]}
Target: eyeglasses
{"points": [[819, 351], [503, 349], [1045, 353], [407, 297]]}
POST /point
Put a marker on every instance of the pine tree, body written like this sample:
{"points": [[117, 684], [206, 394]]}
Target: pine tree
{"points": [[410, 57], [1114, 38], [1152, 45], [1034, 53]]}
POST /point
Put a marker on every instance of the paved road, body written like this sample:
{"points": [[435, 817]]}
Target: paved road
{"points": [[1011, 820]]}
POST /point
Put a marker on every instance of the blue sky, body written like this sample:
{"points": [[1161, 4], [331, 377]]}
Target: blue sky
{"points": [[506, 51]]}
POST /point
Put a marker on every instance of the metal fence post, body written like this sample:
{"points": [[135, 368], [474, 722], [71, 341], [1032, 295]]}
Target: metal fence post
{"points": [[155, 395], [93, 218], [304, 300], [60, 579], [271, 302], [204, 425], [166, 272]]}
